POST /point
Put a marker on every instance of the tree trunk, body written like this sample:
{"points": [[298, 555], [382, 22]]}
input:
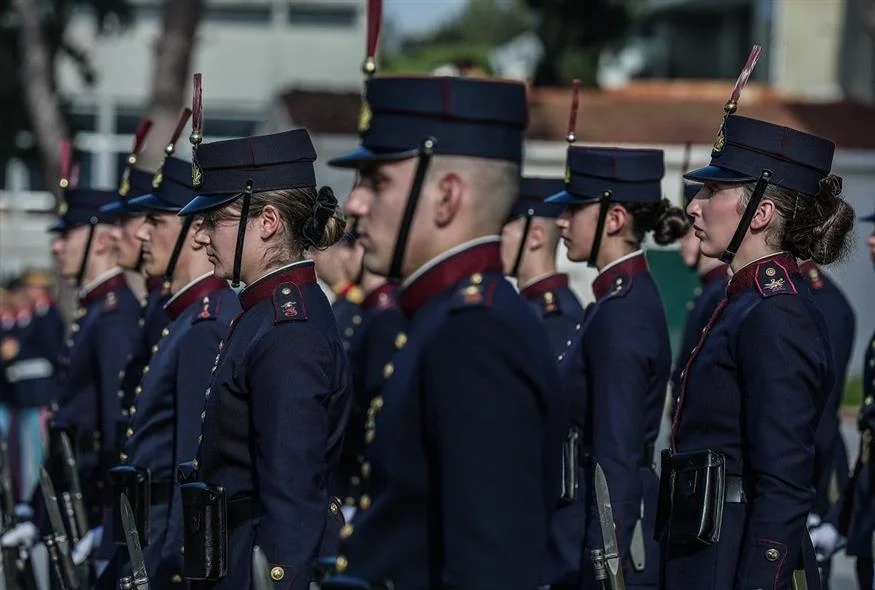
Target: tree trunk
{"points": [[171, 78], [42, 101]]}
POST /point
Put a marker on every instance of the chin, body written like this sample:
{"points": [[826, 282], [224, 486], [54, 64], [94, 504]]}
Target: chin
{"points": [[375, 265]]}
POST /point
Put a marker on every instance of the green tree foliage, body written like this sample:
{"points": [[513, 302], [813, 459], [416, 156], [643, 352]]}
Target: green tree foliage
{"points": [[14, 120], [573, 33]]}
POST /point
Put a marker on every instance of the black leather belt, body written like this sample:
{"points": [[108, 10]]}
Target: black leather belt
{"points": [[160, 492], [242, 511], [734, 490]]}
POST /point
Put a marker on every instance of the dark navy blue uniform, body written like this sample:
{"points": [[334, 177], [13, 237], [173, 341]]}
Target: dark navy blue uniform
{"points": [[273, 425], [165, 419], [615, 374], [348, 313], [103, 334], [464, 441], [754, 391], [373, 345], [552, 300], [36, 340], [705, 300], [831, 469]]}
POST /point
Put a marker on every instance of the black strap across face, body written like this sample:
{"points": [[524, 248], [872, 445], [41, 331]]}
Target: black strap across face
{"points": [[527, 225], [426, 151], [604, 203], [241, 234], [80, 276], [177, 250], [747, 217]]}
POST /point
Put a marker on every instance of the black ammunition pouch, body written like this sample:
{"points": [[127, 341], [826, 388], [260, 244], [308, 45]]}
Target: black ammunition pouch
{"points": [[136, 484], [692, 492], [205, 531], [570, 467]]}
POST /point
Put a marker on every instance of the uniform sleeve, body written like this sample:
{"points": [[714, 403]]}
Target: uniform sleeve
{"points": [[619, 366], [295, 380], [785, 378], [486, 430], [115, 337], [199, 347]]}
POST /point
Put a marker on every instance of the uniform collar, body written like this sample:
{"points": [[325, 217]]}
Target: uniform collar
{"points": [[188, 295], [615, 273], [442, 272], [746, 277], [154, 283], [715, 274], [101, 286], [300, 273], [543, 285], [381, 297]]}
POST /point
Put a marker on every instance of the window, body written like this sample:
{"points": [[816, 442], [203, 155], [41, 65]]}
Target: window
{"points": [[237, 14], [322, 16]]}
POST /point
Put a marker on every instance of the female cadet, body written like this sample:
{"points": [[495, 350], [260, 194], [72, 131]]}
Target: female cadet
{"points": [[738, 484], [616, 369], [276, 408]]}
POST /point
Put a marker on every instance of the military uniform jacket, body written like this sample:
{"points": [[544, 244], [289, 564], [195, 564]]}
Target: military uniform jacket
{"points": [[165, 419], [273, 425], [31, 351], [348, 313], [830, 457], [102, 336], [552, 300], [462, 465], [856, 509], [372, 346], [705, 300], [614, 374], [754, 390]]}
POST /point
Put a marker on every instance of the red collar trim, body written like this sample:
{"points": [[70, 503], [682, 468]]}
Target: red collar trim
{"points": [[190, 296], [383, 297], [445, 274], [540, 287], [301, 273], [746, 277], [154, 283], [604, 283], [715, 274], [113, 283]]}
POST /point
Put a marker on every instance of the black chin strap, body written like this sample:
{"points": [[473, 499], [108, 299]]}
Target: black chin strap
{"points": [[177, 250], [241, 234], [80, 276], [426, 151], [747, 217], [599, 228], [527, 225]]}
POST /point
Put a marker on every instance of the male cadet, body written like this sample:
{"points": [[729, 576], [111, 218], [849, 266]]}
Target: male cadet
{"points": [[529, 242], [461, 473], [102, 336], [340, 267], [165, 420], [713, 278], [30, 358]]}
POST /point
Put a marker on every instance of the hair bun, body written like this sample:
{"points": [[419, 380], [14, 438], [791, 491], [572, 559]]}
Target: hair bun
{"points": [[830, 186]]}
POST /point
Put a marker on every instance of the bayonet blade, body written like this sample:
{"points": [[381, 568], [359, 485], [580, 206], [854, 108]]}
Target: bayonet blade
{"points": [[72, 472], [140, 576], [59, 534], [260, 570], [609, 534]]}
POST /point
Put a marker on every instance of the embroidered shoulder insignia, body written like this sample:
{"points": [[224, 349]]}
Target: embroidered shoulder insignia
{"points": [[385, 301], [9, 348], [111, 302], [209, 310], [773, 279], [550, 304], [476, 291], [815, 279], [288, 304], [355, 295]]}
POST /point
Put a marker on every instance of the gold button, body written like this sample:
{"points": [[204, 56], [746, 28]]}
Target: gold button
{"points": [[145, 369], [203, 415], [366, 470], [74, 328], [182, 550], [476, 278], [772, 554], [176, 579], [286, 291], [121, 374], [121, 394], [200, 438], [133, 410], [354, 480], [333, 507], [388, 370], [348, 332], [142, 322], [369, 436], [341, 564], [346, 531], [277, 573], [123, 457], [130, 432], [356, 319], [868, 401], [165, 331], [365, 502], [377, 402], [350, 501], [400, 340], [770, 272], [194, 464], [154, 349]]}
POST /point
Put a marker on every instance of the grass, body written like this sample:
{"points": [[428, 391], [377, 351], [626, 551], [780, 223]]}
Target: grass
{"points": [[853, 392]]}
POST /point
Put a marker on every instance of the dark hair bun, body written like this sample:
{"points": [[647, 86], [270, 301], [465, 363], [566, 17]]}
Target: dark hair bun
{"points": [[823, 230], [671, 224]]}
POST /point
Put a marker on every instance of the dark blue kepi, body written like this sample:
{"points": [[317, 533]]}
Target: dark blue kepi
{"points": [[610, 175], [420, 117], [532, 202], [749, 150]]}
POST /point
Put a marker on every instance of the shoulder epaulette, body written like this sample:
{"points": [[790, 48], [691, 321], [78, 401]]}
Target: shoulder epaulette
{"points": [[288, 304], [621, 286], [475, 291], [209, 310], [110, 302], [550, 304], [773, 279], [355, 294], [815, 279]]}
